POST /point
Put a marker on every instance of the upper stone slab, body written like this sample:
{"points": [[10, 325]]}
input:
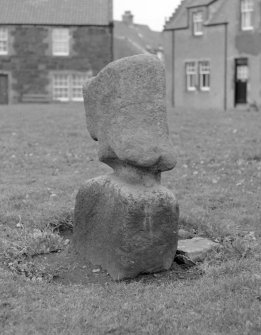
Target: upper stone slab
{"points": [[126, 112]]}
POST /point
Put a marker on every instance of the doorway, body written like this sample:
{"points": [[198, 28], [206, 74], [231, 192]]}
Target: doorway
{"points": [[241, 80], [3, 89]]}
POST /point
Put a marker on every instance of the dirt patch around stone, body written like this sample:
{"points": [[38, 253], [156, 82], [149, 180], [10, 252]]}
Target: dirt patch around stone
{"points": [[68, 270]]}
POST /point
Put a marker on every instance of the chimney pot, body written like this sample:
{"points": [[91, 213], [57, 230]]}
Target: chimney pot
{"points": [[127, 17]]}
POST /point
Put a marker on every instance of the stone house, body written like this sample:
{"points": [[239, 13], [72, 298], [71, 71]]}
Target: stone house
{"points": [[49, 47], [213, 54], [131, 38]]}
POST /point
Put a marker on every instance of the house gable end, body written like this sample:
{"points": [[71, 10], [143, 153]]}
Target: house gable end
{"points": [[182, 17]]}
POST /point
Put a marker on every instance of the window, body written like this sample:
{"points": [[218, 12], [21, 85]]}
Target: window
{"points": [[61, 42], [242, 72], [198, 75], [204, 76], [191, 76], [3, 41], [77, 83], [198, 23], [61, 87], [247, 11], [68, 87]]}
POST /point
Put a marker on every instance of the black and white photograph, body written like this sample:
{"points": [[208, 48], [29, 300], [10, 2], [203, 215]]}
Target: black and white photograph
{"points": [[130, 167]]}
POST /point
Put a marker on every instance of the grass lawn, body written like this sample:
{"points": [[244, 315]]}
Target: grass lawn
{"points": [[46, 154]]}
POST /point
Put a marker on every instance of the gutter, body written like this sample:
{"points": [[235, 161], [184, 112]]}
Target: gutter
{"points": [[205, 25]]}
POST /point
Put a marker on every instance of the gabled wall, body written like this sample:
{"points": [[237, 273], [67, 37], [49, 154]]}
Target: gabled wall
{"points": [[181, 45]]}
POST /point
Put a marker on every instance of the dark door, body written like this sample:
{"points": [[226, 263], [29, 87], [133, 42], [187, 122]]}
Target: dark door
{"points": [[3, 89], [241, 79]]}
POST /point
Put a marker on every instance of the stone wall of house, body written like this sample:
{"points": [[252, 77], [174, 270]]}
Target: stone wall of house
{"points": [[30, 62]]}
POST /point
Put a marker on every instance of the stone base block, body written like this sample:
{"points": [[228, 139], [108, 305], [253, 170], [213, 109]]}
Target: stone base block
{"points": [[125, 228]]}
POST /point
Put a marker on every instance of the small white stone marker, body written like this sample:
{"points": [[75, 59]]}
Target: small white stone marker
{"points": [[196, 248], [19, 224]]}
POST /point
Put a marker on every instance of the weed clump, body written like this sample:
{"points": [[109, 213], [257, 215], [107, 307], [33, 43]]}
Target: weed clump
{"points": [[232, 249], [61, 223], [18, 256]]}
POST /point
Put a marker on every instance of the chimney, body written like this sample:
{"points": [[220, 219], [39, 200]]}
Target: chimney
{"points": [[127, 17]]}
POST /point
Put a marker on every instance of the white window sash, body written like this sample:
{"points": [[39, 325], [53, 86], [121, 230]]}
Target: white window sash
{"points": [[61, 87], [191, 76], [61, 42], [198, 23], [3, 41], [204, 76], [71, 83], [77, 81], [247, 10]]}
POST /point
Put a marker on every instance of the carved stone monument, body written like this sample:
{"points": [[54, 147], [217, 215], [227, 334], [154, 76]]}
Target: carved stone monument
{"points": [[126, 222]]}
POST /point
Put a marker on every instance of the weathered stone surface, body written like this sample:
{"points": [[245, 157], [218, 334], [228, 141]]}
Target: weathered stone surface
{"points": [[127, 222], [196, 248], [126, 228], [126, 113]]}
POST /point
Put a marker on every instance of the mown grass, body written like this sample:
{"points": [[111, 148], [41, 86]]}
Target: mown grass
{"points": [[46, 154]]}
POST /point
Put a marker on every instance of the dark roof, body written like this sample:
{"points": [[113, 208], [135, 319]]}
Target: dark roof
{"points": [[179, 18], [52, 12], [131, 39]]}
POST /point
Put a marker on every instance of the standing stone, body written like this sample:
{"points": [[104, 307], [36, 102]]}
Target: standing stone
{"points": [[127, 222]]}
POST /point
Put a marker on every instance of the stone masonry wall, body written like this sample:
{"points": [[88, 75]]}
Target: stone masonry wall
{"points": [[30, 61]]}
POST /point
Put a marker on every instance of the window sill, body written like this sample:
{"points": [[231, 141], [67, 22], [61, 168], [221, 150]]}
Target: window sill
{"points": [[60, 55], [247, 29], [61, 99], [77, 99]]}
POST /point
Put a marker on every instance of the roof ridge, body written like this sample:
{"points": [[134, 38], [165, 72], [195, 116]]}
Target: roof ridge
{"points": [[138, 25]]}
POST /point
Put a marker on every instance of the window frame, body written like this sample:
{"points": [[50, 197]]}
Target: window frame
{"points": [[4, 37], [247, 14], [71, 85], [60, 43], [56, 87], [242, 72], [79, 86], [191, 75], [197, 23], [204, 73]]}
